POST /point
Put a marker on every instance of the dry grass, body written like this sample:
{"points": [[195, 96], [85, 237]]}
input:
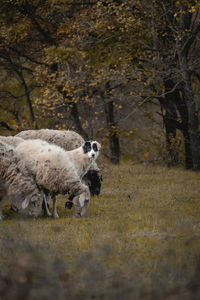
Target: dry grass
{"points": [[143, 232]]}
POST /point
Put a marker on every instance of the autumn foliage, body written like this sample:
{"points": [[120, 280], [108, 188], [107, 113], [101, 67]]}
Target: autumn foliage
{"points": [[125, 71]]}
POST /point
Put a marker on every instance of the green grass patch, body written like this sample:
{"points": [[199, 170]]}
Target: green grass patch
{"points": [[141, 238]]}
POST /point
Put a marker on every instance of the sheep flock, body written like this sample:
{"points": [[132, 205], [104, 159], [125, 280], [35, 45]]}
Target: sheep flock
{"points": [[38, 165]]}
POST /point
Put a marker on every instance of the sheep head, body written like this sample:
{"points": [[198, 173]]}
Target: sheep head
{"points": [[91, 148], [93, 179], [81, 203]]}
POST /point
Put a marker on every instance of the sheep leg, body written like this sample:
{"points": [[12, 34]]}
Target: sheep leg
{"points": [[1, 214], [46, 209], [55, 214]]}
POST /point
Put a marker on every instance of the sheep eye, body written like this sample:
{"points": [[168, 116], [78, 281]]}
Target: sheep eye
{"points": [[94, 146], [87, 147]]}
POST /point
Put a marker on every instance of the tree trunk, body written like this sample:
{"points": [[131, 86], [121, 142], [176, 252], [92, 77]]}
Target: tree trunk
{"points": [[75, 115], [170, 104], [188, 154], [77, 122], [28, 99], [29, 104], [182, 109], [113, 132], [193, 121], [170, 120]]}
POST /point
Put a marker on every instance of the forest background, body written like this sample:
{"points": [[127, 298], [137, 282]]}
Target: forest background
{"points": [[124, 72]]}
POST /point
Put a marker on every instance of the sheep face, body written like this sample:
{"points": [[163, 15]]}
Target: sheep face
{"points": [[81, 203], [92, 149], [31, 205], [93, 179], [69, 204], [35, 205]]}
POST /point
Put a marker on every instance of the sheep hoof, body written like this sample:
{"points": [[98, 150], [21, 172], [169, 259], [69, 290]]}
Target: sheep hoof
{"points": [[55, 216], [78, 215], [47, 214]]}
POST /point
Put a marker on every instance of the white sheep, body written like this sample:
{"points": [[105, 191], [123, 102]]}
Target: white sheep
{"points": [[57, 171], [84, 156], [18, 183], [13, 141], [68, 140], [2, 195]]}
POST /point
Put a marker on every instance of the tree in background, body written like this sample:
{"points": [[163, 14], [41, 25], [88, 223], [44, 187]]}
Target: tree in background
{"points": [[169, 61], [89, 66]]}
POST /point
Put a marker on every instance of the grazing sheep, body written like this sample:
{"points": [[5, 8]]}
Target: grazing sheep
{"points": [[13, 141], [54, 171], [82, 159], [68, 140], [18, 183], [2, 195], [84, 156]]}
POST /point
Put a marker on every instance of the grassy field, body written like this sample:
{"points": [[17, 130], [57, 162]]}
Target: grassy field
{"points": [[140, 240]]}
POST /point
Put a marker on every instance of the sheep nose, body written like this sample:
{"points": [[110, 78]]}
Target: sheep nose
{"points": [[97, 191]]}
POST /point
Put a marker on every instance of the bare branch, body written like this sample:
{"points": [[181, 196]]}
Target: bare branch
{"points": [[147, 99], [13, 96]]}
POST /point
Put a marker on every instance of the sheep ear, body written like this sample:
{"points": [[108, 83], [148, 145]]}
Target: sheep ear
{"points": [[25, 203], [82, 200], [87, 147], [96, 146]]}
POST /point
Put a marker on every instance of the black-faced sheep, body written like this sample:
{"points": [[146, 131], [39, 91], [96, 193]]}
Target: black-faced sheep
{"points": [[18, 183], [56, 170], [68, 140]]}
